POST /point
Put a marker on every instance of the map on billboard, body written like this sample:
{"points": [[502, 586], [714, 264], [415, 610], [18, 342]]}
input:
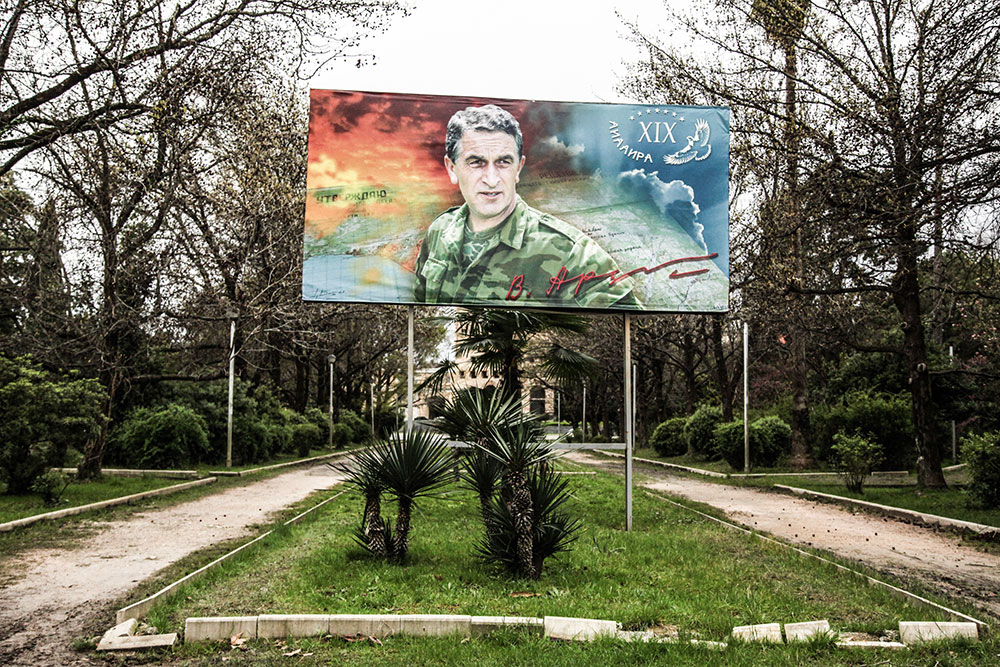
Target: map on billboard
{"points": [[433, 200]]}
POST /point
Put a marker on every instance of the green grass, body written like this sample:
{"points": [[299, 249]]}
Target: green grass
{"points": [[80, 493], [674, 568]]}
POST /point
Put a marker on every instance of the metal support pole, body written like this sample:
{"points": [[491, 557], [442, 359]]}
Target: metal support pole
{"points": [[635, 412], [232, 370], [585, 412], [409, 371], [628, 423], [331, 359], [954, 433], [559, 412], [746, 398], [371, 402]]}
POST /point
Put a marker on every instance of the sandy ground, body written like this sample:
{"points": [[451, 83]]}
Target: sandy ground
{"points": [[54, 593], [938, 560]]}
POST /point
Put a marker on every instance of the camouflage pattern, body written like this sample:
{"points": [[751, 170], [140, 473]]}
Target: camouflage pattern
{"points": [[518, 265]]}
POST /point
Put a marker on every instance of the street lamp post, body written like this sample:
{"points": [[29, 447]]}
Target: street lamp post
{"points": [[331, 359], [231, 315]]}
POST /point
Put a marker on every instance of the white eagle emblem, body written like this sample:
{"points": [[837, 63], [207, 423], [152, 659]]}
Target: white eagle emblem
{"points": [[695, 144]]}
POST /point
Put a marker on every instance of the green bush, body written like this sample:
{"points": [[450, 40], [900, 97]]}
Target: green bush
{"points": [[50, 485], [668, 437], [886, 419], [699, 430], [168, 437], [306, 437], [361, 431], [982, 453], [321, 419], [856, 457], [770, 439], [341, 435], [41, 416]]}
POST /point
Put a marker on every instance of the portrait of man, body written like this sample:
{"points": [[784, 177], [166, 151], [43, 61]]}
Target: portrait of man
{"points": [[495, 249]]}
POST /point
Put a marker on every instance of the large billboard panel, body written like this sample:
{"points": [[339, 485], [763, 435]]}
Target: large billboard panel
{"points": [[607, 207]]}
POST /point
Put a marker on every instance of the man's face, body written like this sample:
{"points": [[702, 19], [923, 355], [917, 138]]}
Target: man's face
{"points": [[486, 171]]}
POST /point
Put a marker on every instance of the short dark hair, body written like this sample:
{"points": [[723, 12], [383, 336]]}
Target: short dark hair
{"points": [[489, 118]]}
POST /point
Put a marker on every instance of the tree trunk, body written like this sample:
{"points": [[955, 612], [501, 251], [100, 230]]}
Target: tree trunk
{"points": [[907, 300], [401, 539], [523, 514], [374, 527], [721, 370]]}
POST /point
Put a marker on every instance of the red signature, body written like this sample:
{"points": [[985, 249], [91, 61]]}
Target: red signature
{"points": [[562, 278]]}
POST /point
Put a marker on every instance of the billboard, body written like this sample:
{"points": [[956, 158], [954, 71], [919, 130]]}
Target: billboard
{"points": [[525, 204]]}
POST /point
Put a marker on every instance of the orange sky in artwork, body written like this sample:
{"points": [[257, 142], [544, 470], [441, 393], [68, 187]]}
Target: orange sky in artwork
{"points": [[367, 156]]}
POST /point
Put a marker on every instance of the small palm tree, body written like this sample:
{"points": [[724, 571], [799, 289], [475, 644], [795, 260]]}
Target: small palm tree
{"points": [[364, 472], [414, 465]]}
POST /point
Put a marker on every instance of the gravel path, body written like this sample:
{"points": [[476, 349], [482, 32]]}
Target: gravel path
{"points": [[51, 595], [939, 560]]}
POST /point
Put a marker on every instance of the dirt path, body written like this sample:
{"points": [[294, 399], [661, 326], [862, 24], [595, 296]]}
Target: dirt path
{"points": [[940, 561], [55, 592]]}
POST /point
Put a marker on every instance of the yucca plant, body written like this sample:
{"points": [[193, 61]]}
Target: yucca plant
{"points": [[553, 531], [414, 465], [502, 436], [364, 472]]}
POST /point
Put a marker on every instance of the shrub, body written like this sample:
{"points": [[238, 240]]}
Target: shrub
{"points": [[982, 453], [165, 438], [361, 431], [856, 457], [884, 418], [341, 435], [770, 439], [699, 430], [50, 485], [41, 416], [321, 418], [668, 437], [306, 437]]}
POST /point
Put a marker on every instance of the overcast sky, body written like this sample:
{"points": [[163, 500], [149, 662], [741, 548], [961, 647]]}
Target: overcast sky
{"points": [[524, 49]]}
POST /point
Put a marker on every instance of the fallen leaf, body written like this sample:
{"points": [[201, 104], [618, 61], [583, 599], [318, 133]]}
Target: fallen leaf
{"points": [[291, 653], [238, 640], [525, 594], [375, 640]]}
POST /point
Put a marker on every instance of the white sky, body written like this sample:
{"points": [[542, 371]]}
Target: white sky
{"points": [[523, 49]]}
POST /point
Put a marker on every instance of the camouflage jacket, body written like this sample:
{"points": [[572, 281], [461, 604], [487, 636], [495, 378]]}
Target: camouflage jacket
{"points": [[534, 260]]}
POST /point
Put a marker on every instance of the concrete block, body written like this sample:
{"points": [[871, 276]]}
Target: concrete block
{"points": [[124, 629], [198, 629], [580, 629], [434, 625], [862, 643], [764, 632], [914, 632], [369, 625], [278, 626], [482, 625], [803, 632], [137, 642], [707, 644]]}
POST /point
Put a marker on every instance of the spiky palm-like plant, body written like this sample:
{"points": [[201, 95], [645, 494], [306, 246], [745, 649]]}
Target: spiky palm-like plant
{"points": [[553, 531], [364, 472], [414, 465]]}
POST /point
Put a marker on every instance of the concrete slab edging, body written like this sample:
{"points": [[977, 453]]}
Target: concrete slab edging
{"points": [[933, 520], [893, 590], [124, 500], [277, 466], [138, 610], [135, 472]]}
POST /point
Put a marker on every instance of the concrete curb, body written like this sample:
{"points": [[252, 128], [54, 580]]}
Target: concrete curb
{"points": [[674, 466], [278, 466], [893, 590], [124, 500], [139, 609], [130, 472], [911, 516]]}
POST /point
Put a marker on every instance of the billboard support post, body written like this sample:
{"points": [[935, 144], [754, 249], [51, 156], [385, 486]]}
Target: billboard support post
{"points": [[409, 370], [584, 422], [331, 359], [628, 422]]}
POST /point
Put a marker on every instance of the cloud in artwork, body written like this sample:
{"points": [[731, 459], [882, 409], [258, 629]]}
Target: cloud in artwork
{"points": [[674, 199], [551, 156]]}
